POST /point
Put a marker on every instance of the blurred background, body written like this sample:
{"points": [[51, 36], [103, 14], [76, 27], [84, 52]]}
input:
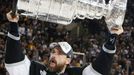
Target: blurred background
{"points": [[86, 37]]}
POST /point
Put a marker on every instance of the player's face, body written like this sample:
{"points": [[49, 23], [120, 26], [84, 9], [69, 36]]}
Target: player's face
{"points": [[58, 60]]}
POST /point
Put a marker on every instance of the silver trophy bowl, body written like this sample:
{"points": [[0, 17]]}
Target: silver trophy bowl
{"points": [[65, 11]]}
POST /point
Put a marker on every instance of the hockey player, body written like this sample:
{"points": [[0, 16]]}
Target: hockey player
{"points": [[60, 57]]}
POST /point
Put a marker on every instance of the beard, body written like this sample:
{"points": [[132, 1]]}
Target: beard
{"points": [[56, 66]]}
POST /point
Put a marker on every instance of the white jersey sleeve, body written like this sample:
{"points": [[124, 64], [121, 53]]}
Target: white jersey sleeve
{"points": [[90, 71], [19, 68]]}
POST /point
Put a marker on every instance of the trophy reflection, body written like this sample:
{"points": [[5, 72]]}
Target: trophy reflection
{"points": [[65, 11]]}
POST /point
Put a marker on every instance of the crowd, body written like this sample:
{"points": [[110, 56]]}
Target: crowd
{"points": [[37, 35]]}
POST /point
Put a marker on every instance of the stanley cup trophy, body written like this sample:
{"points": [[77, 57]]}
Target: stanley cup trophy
{"points": [[64, 11]]}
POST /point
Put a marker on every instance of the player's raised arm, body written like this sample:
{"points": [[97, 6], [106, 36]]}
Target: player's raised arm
{"points": [[15, 61], [103, 63], [13, 49]]}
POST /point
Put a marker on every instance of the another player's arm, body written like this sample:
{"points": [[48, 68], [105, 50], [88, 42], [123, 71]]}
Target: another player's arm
{"points": [[16, 62]]}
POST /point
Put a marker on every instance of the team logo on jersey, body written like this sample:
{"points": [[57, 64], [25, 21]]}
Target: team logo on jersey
{"points": [[112, 40], [43, 72]]}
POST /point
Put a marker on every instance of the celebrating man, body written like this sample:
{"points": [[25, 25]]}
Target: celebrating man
{"points": [[60, 57]]}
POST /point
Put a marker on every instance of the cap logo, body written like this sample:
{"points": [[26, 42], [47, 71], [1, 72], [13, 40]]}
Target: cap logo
{"points": [[65, 46]]}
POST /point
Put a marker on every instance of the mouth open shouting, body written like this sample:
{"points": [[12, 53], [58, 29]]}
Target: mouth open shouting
{"points": [[52, 63]]}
